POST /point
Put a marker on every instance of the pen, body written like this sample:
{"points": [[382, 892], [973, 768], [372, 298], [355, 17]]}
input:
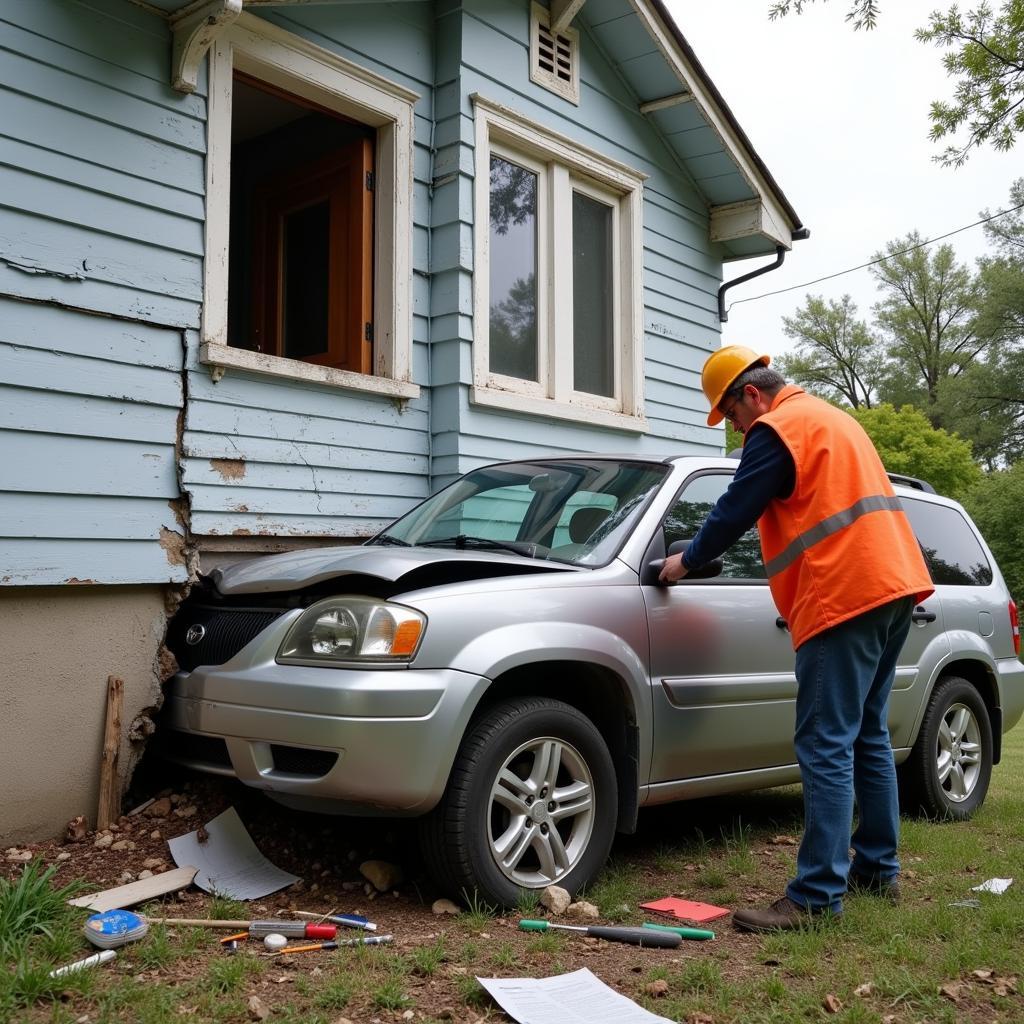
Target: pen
{"points": [[89, 961]]}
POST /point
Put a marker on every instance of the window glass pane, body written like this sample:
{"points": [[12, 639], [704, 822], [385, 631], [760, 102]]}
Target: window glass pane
{"points": [[592, 328], [513, 270], [743, 560], [304, 280], [953, 552]]}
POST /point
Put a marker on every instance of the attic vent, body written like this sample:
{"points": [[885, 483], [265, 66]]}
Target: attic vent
{"points": [[554, 57]]}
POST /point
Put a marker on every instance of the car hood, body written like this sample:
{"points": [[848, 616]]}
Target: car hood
{"points": [[295, 570]]}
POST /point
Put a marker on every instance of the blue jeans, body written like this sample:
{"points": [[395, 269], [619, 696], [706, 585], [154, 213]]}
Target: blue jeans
{"points": [[844, 676]]}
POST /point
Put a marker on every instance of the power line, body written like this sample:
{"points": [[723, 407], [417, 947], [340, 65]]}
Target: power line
{"points": [[882, 259]]}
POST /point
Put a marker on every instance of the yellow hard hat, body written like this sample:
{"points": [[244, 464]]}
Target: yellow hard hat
{"points": [[721, 369]]}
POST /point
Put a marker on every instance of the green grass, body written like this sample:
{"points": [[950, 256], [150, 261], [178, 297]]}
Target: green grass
{"points": [[719, 851]]}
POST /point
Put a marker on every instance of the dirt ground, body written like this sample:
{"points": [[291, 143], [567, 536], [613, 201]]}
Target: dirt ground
{"points": [[326, 853]]}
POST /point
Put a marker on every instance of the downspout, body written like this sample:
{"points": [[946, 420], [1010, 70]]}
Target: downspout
{"points": [[780, 255]]}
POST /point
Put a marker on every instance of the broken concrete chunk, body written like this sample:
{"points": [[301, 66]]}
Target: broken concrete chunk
{"points": [[104, 840], [556, 899], [583, 910]]}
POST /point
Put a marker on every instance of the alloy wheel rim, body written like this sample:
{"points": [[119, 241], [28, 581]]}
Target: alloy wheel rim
{"points": [[540, 813], [959, 752]]}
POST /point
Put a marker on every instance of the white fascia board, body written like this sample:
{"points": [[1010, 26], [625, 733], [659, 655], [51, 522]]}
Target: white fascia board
{"points": [[741, 220], [775, 212]]}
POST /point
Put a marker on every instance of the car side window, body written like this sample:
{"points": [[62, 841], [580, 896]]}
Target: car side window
{"points": [[743, 560], [953, 553]]}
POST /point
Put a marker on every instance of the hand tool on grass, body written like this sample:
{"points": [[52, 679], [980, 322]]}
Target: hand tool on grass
{"points": [[369, 940], [648, 937], [683, 933], [344, 920]]}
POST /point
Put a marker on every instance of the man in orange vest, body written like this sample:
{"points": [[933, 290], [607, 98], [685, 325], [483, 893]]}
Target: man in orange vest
{"points": [[845, 571]]}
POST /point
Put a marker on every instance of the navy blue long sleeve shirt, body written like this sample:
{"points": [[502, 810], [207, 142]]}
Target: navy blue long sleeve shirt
{"points": [[766, 471]]}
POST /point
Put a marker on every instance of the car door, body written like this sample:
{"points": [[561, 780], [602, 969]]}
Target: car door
{"points": [[722, 662]]}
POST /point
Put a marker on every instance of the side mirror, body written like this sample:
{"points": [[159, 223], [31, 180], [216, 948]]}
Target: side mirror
{"points": [[704, 572]]}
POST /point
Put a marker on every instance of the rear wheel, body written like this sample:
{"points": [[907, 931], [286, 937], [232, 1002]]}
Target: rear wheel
{"points": [[531, 802], [949, 768]]}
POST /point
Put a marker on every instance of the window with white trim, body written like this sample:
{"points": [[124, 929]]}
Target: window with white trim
{"points": [[308, 270], [557, 310]]}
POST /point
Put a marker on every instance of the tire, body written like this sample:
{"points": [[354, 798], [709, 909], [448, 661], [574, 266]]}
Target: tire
{"points": [[950, 765], [497, 831]]}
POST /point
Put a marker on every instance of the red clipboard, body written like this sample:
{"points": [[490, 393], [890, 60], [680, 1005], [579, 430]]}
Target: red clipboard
{"points": [[687, 910]]}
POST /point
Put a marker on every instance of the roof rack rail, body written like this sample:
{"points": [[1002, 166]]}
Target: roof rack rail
{"points": [[912, 481]]}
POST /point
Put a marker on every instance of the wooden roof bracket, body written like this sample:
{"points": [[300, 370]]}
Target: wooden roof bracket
{"points": [[195, 28], [562, 13]]}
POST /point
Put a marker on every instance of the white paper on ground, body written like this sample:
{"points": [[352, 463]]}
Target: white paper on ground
{"points": [[576, 998], [229, 863], [996, 885]]}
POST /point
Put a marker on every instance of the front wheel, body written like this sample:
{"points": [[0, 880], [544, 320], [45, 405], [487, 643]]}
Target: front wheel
{"points": [[949, 768], [531, 802]]}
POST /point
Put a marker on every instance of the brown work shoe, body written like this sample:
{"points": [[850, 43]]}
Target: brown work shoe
{"points": [[866, 885], [783, 915]]}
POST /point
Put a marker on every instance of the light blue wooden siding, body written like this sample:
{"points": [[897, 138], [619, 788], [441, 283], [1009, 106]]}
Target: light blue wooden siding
{"points": [[88, 412], [681, 272], [269, 457]]}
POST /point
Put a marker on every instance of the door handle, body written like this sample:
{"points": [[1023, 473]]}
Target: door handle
{"points": [[920, 615], [781, 623]]}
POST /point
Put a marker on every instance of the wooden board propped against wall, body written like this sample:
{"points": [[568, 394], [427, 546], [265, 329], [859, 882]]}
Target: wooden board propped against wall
{"points": [[109, 809]]}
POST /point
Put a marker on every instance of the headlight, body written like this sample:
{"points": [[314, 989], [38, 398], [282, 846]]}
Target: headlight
{"points": [[346, 629]]}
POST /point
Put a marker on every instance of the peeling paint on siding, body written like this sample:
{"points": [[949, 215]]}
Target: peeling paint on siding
{"points": [[229, 469]]}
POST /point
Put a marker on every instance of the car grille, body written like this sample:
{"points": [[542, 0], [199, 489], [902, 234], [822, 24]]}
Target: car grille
{"points": [[227, 631], [300, 761]]}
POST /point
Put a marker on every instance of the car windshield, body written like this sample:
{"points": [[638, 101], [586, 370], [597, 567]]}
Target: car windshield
{"points": [[576, 511]]}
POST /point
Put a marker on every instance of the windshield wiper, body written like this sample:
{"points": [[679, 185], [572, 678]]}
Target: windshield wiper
{"points": [[463, 541], [387, 539]]}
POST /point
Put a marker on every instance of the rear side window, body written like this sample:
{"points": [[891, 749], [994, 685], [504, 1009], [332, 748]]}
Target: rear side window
{"points": [[953, 552]]}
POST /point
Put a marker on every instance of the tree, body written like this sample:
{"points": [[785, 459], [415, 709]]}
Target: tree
{"points": [[907, 443], [986, 59], [995, 504], [836, 355], [927, 310]]}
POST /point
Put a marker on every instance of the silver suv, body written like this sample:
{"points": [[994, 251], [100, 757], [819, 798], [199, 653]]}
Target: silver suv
{"points": [[502, 663]]}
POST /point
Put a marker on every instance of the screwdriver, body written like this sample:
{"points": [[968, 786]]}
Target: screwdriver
{"points": [[634, 936], [684, 933]]}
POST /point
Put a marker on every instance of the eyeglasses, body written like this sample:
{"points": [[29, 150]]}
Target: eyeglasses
{"points": [[730, 415]]}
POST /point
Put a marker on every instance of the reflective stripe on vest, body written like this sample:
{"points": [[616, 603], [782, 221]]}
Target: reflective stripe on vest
{"points": [[833, 524]]}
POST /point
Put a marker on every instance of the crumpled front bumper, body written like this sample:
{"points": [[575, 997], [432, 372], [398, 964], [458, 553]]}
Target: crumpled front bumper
{"points": [[395, 731]]}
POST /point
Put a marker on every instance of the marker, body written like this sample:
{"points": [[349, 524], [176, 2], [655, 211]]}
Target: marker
{"points": [[292, 930], [343, 920], [683, 933], [89, 961]]}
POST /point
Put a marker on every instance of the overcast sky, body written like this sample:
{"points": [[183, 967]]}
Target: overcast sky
{"points": [[841, 119]]}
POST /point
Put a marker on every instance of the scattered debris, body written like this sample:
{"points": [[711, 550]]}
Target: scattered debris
{"points": [[103, 840], [89, 961], [657, 989], [441, 907], [381, 874], [785, 841], [583, 910], [137, 892], [865, 990], [229, 862], [76, 829], [159, 808], [258, 1010], [16, 856], [556, 899], [997, 886], [686, 910], [831, 1004]]}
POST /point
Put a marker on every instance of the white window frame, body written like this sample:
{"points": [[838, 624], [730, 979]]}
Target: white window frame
{"points": [[289, 62], [569, 167]]}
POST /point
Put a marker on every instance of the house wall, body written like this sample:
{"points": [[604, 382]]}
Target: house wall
{"points": [[681, 273]]}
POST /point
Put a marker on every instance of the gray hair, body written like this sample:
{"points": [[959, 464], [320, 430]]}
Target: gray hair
{"points": [[764, 378]]}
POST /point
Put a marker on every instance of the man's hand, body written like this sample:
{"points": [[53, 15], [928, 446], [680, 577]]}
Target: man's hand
{"points": [[672, 570]]}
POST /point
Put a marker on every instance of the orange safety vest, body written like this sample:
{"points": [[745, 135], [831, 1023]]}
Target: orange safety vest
{"points": [[841, 543]]}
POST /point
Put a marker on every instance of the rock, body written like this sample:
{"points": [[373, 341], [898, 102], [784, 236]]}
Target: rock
{"points": [[104, 840], [408, 1015], [158, 808], [349, 886], [583, 910], [145, 874], [831, 1004], [16, 856], [155, 834], [153, 863], [258, 1010], [657, 989], [441, 907], [556, 899], [125, 877], [123, 844], [865, 990], [343, 1020], [185, 812], [63, 855], [382, 874], [76, 829], [113, 827]]}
